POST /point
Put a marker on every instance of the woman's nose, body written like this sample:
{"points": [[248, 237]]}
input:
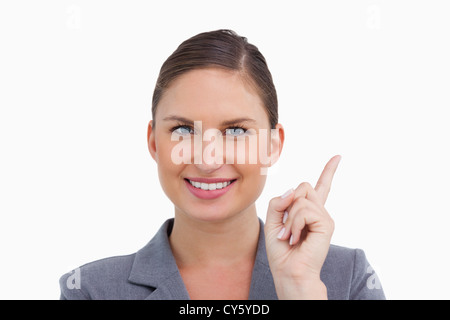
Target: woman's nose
{"points": [[209, 154], [208, 168]]}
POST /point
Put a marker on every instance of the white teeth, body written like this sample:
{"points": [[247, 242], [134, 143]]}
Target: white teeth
{"points": [[209, 186]]}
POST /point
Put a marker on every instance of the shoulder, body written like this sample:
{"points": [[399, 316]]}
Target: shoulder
{"points": [[347, 274], [132, 276], [101, 279]]}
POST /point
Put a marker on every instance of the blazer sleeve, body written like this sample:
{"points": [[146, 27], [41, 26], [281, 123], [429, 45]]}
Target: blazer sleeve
{"points": [[365, 283]]}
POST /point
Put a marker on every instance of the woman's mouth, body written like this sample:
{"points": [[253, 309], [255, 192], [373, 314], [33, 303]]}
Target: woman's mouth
{"points": [[208, 191]]}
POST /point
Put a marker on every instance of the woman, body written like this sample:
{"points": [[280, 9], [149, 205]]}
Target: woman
{"points": [[213, 135]]}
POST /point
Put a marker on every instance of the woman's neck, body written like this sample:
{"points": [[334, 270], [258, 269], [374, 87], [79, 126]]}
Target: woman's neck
{"points": [[197, 243]]}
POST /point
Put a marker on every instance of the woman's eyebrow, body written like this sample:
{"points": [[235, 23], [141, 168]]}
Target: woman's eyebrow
{"points": [[224, 123]]}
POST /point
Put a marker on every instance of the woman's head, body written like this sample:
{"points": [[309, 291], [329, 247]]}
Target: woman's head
{"points": [[214, 83], [221, 48]]}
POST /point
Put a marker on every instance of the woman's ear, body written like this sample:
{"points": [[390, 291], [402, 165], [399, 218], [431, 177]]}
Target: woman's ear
{"points": [[276, 144], [151, 140]]}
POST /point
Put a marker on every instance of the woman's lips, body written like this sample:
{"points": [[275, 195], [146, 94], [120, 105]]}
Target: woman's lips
{"points": [[208, 194]]}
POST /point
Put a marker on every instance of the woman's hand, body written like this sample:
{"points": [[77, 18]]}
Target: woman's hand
{"points": [[298, 232]]}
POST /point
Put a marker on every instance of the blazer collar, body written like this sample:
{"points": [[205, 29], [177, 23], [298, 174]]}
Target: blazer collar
{"points": [[155, 266]]}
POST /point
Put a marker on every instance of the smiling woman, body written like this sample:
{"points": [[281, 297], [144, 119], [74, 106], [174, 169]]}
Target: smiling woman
{"points": [[212, 96], [215, 87]]}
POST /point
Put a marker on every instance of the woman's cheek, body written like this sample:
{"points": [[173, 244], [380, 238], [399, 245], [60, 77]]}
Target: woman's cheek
{"points": [[180, 151], [242, 150], [167, 166]]}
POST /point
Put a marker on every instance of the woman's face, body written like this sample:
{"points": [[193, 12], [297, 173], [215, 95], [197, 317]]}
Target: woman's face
{"points": [[196, 140]]}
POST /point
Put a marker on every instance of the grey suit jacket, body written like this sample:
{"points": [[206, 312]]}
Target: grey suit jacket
{"points": [[152, 273]]}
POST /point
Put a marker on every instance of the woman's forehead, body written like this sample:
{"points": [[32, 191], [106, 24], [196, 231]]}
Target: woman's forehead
{"points": [[212, 91]]}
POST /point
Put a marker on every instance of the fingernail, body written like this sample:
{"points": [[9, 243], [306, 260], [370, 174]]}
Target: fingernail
{"points": [[280, 235], [291, 239], [287, 193], [285, 216]]}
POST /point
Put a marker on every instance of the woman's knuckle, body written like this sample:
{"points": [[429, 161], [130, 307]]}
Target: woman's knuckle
{"points": [[301, 202], [272, 202], [305, 185], [329, 224]]}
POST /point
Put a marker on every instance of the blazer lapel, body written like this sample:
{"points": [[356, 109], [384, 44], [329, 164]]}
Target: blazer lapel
{"points": [[155, 266], [262, 286]]}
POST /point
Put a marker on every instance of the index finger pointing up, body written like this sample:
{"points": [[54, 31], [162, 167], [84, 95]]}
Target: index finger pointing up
{"points": [[323, 185]]}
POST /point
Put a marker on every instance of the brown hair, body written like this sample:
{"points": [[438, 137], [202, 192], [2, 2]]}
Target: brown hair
{"points": [[223, 48]]}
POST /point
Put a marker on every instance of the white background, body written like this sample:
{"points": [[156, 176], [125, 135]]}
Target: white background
{"points": [[368, 80]]}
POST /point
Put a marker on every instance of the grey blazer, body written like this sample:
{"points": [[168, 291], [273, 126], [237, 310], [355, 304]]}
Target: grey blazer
{"points": [[151, 273]]}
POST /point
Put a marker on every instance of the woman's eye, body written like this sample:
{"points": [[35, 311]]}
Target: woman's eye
{"points": [[182, 130], [235, 131]]}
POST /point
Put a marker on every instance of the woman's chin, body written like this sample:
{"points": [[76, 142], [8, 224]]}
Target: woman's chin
{"points": [[210, 216]]}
